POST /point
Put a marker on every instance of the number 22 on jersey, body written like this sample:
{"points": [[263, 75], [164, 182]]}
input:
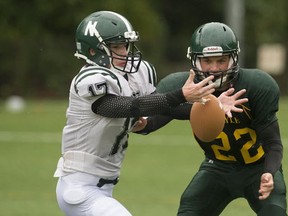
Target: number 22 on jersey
{"points": [[244, 150]]}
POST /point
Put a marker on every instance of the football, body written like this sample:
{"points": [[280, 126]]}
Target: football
{"points": [[207, 119]]}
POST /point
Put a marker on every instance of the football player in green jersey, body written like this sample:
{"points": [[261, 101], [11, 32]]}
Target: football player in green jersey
{"points": [[245, 159]]}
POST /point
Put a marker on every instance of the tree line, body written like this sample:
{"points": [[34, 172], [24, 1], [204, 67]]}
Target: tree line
{"points": [[38, 37]]}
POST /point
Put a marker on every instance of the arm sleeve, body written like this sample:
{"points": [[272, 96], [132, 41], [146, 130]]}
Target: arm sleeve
{"points": [[113, 106], [270, 137], [154, 123], [181, 112]]}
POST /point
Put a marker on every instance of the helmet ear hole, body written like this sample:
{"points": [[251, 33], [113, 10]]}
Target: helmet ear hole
{"points": [[92, 52]]}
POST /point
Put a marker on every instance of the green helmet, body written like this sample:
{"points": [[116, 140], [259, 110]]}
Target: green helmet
{"points": [[99, 31], [214, 39]]}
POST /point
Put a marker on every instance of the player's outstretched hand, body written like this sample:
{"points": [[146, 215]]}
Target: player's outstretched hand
{"points": [[229, 101], [195, 92], [266, 185]]}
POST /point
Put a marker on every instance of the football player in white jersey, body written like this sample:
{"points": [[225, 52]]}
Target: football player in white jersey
{"points": [[107, 98]]}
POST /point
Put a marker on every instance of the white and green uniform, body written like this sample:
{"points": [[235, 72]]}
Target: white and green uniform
{"points": [[94, 146], [92, 143]]}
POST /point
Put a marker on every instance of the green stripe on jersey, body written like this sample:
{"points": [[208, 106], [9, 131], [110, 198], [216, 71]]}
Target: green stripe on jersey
{"points": [[151, 73], [90, 71]]}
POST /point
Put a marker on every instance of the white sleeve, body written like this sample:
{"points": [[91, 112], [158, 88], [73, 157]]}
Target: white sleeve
{"points": [[96, 82]]}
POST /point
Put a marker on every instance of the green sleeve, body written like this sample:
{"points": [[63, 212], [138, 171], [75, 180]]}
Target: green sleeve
{"points": [[263, 95], [172, 82]]}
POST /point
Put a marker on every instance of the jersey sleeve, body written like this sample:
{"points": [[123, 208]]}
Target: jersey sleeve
{"points": [[95, 82], [264, 99], [172, 82], [151, 73]]}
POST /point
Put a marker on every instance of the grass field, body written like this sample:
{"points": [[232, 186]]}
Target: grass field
{"points": [[156, 170]]}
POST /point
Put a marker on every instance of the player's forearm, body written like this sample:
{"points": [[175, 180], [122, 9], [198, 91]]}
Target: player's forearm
{"points": [[273, 148], [181, 112], [273, 161], [123, 107], [154, 123]]}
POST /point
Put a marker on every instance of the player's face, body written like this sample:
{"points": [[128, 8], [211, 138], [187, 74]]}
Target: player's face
{"points": [[215, 63], [119, 53]]}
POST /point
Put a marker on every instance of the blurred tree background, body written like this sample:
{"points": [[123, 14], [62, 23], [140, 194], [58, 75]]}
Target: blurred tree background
{"points": [[37, 37]]}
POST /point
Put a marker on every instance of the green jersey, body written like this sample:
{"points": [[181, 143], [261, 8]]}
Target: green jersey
{"points": [[238, 142]]}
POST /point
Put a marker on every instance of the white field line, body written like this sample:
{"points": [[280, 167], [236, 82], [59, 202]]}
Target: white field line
{"points": [[52, 137], [151, 139]]}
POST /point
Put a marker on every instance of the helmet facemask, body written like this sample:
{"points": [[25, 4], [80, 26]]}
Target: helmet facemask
{"points": [[132, 59], [222, 78]]}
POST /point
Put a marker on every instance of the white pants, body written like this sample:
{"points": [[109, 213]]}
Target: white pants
{"points": [[79, 195]]}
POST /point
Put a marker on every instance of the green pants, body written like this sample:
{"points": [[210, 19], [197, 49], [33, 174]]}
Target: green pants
{"points": [[216, 184]]}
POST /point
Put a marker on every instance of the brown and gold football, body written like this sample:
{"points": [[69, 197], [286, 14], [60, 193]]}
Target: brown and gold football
{"points": [[207, 120]]}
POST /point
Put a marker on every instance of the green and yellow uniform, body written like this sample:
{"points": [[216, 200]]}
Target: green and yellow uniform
{"points": [[243, 151]]}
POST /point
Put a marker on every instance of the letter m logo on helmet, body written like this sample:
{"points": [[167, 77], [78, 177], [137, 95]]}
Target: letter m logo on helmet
{"points": [[91, 29]]}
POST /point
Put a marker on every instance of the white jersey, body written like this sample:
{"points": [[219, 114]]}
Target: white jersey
{"points": [[92, 143]]}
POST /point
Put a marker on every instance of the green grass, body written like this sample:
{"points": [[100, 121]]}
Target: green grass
{"points": [[157, 168]]}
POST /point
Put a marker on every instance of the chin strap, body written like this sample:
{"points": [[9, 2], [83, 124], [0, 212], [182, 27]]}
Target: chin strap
{"points": [[78, 55], [104, 62]]}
